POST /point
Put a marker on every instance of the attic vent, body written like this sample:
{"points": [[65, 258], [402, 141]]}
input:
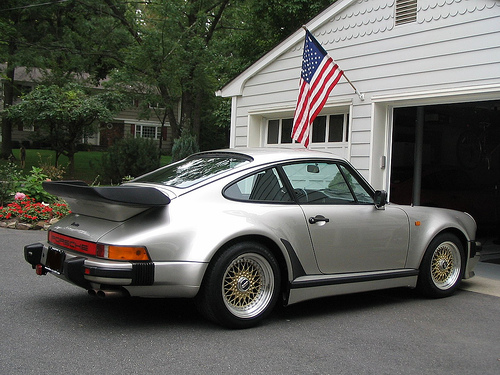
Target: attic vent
{"points": [[406, 11]]}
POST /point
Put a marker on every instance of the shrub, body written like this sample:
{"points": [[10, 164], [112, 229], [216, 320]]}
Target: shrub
{"points": [[129, 157], [32, 186], [9, 177], [184, 146], [51, 171]]}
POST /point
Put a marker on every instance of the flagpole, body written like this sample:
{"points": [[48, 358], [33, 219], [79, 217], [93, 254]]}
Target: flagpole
{"points": [[361, 96]]}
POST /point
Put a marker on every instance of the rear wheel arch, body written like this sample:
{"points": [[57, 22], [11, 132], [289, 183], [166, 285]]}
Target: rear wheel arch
{"points": [[258, 264], [265, 241]]}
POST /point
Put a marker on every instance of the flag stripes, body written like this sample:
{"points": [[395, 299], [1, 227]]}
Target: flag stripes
{"points": [[319, 76]]}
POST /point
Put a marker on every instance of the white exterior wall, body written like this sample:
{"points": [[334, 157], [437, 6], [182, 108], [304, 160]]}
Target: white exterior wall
{"points": [[451, 54]]}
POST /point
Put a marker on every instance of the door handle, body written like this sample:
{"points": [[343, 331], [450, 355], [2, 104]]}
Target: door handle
{"points": [[317, 218]]}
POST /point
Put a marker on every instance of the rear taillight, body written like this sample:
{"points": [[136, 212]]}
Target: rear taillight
{"points": [[132, 253], [122, 252]]}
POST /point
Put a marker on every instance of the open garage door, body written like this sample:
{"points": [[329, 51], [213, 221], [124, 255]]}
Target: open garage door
{"points": [[449, 156]]}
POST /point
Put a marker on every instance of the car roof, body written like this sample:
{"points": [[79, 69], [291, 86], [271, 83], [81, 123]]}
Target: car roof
{"points": [[265, 155]]}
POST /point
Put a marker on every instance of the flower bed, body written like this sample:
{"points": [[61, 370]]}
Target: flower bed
{"points": [[25, 213]]}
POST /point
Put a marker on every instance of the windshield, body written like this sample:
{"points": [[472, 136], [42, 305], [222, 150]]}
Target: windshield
{"points": [[194, 169]]}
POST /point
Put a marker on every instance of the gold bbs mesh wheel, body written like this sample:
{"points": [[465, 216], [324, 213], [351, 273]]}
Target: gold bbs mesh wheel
{"points": [[445, 265], [248, 285]]}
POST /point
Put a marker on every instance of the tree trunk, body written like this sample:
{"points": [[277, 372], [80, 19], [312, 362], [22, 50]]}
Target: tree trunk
{"points": [[8, 101]]}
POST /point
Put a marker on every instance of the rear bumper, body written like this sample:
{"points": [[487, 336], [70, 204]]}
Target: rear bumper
{"points": [[158, 279], [82, 271]]}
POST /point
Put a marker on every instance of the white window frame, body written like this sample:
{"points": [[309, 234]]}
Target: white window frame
{"points": [[345, 130], [139, 131]]}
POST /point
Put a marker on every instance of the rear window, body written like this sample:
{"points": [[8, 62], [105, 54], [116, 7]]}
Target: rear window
{"points": [[194, 169]]}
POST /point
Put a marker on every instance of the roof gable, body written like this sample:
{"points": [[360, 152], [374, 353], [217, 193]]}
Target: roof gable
{"points": [[358, 27], [235, 87]]}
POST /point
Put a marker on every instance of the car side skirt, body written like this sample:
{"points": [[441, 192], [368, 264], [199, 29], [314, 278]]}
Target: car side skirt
{"points": [[310, 287]]}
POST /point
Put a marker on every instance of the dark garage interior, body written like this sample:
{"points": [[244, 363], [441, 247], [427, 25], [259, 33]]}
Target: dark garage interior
{"points": [[449, 156]]}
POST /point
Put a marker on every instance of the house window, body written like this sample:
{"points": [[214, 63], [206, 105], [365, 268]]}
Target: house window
{"points": [[406, 11], [279, 131], [330, 128], [144, 131]]}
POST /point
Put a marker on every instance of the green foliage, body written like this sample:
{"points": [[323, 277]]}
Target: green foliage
{"points": [[163, 52], [65, 115], [32, 186], [215, 131], [9, 175], [129, 157], [184, 146]]}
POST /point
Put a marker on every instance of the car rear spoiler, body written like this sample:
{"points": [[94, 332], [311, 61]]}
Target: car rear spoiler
{"points": [[115, 203]]}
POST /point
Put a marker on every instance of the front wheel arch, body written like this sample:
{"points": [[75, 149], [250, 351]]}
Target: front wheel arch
{"points": [[442, 266]]}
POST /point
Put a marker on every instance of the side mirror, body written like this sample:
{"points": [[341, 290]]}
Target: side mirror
{"points": [[380, 199]]}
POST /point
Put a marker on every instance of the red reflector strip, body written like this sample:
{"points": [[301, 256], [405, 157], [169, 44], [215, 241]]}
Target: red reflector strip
{"points": [[86, 247]]}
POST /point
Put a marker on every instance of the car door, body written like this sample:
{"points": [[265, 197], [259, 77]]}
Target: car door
{"points": [[348, 233]]}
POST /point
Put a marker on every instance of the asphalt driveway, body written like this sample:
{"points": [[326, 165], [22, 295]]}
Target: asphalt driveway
{"points": [[50, 327]]}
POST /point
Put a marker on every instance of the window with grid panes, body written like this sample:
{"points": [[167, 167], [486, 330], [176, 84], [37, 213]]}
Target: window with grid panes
{"points": [[143, 131], [330, 128]]}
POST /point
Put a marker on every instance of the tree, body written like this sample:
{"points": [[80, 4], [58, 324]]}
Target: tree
{"points": [[63, 39], [171, 60], [171, 53], [184, 50], [64, 116]]}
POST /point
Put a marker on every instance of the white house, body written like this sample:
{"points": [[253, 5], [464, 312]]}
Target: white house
{"points": [[429, 72]]}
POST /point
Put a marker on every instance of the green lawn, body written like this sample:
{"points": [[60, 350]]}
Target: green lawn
{"points": [[87, 163]]}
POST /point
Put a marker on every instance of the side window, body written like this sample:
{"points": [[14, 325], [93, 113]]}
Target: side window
{"points": [[264, 186], [361, 194], [325, 183]]}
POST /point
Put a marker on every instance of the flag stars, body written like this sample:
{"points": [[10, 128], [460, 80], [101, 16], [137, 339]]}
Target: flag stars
{"points": [[314, 87], [312, 58]]}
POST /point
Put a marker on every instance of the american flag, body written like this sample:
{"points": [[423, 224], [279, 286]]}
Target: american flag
{"points": [[319, 76]]}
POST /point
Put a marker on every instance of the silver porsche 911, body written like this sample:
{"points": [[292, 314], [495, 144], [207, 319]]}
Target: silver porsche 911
{"points": [[240, 230]]}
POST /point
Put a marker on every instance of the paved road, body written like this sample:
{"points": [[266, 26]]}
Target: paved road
{"points": [[50, 327]]}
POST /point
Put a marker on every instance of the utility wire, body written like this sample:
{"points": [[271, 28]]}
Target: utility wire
{"points": [[35, 5]]}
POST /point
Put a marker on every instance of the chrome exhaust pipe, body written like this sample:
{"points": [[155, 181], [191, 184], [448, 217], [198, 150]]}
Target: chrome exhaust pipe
{"points": [[112, 293]]}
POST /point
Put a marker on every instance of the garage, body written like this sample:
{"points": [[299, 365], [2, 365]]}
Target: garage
{"points": [[448, 155]]}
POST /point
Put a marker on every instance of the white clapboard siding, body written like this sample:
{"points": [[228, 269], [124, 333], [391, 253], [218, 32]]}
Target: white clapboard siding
{"points": [[454, 44]]}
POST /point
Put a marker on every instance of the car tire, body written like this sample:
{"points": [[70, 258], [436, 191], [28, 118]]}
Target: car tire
{"points": [[241, 286], [442, 267]]}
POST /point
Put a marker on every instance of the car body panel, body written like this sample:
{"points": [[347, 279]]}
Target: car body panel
{"points": [[360, 248], [358, 238], [427, 222]]}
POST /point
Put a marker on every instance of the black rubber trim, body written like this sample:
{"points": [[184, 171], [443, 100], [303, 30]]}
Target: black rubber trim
{"points": [[297, 269], [143, 273], [475, 247], [33, 253], [352, 279], [143, 196], [111, 273], [73, 270]]}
